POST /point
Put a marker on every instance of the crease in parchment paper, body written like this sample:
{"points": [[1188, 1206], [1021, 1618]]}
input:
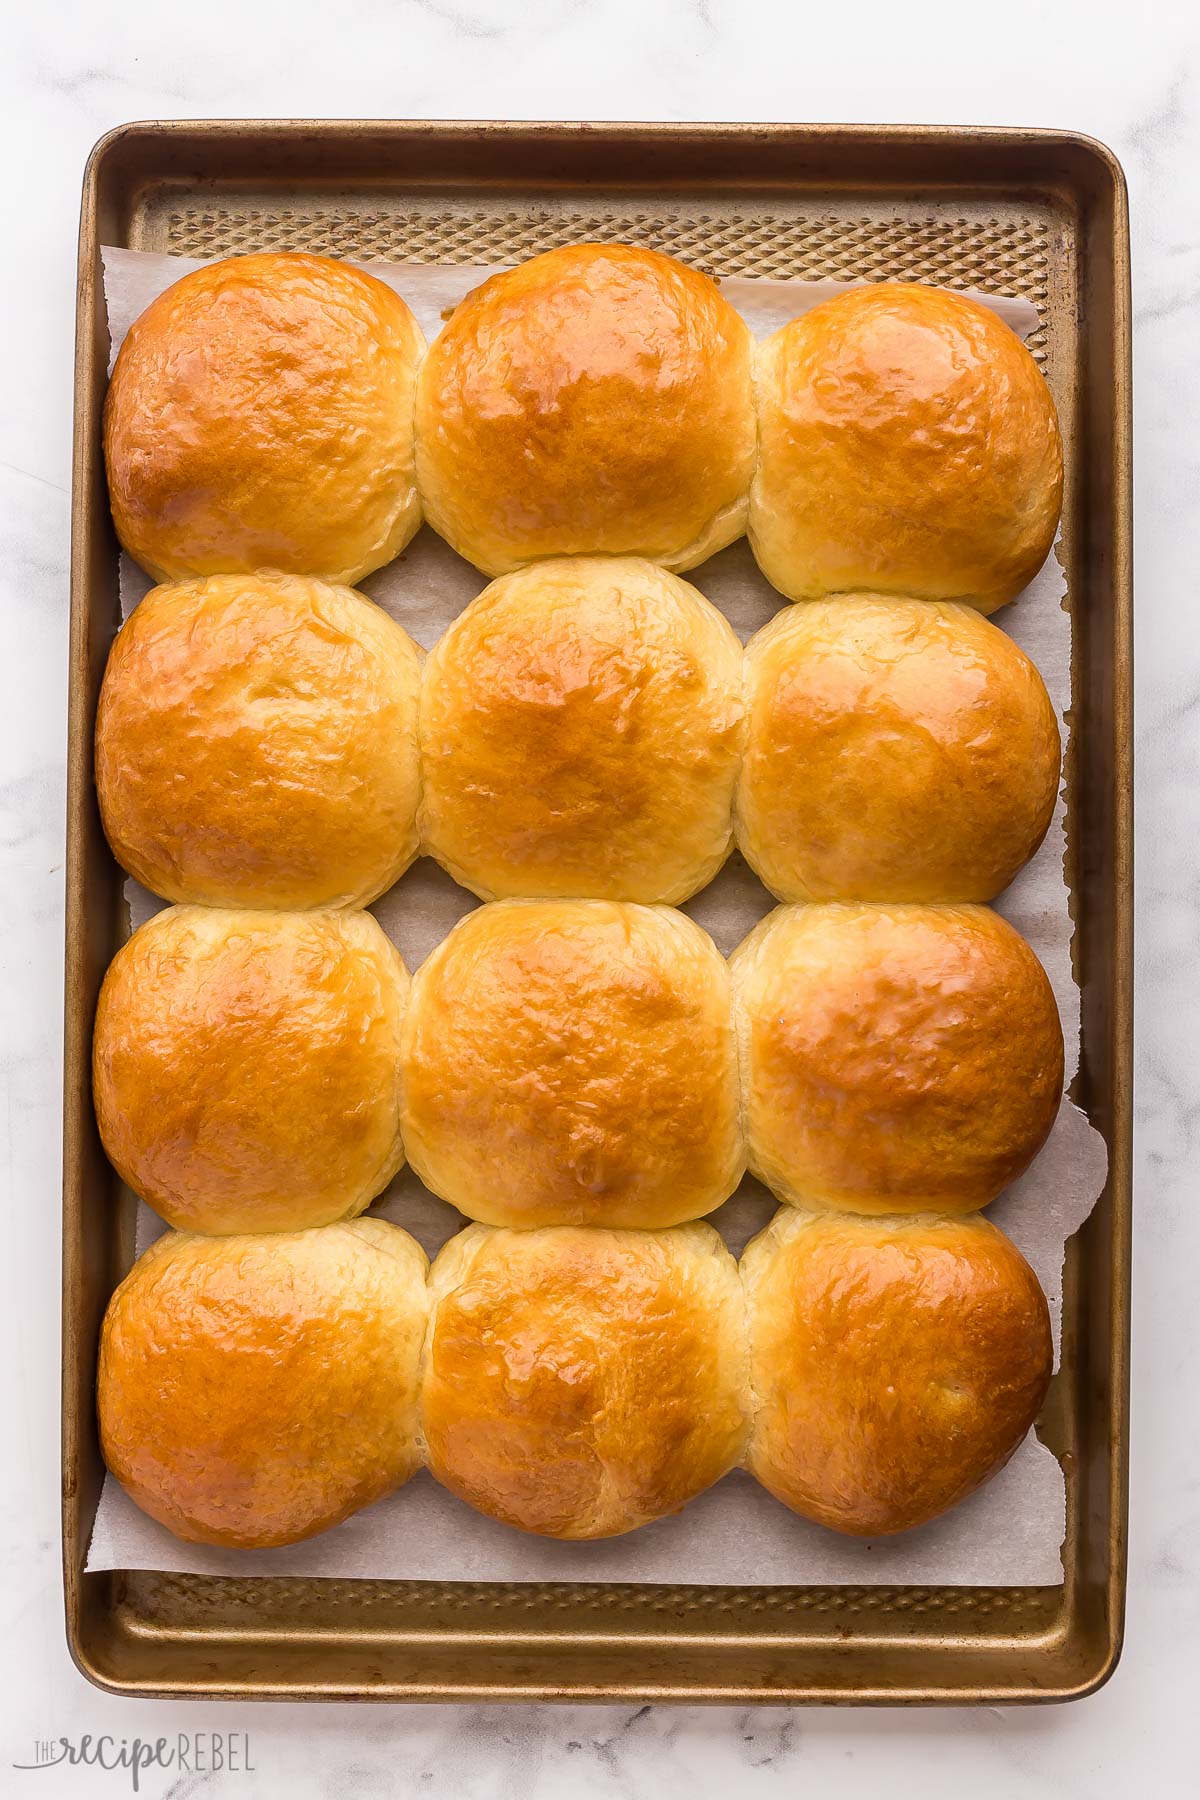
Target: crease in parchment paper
{"points": [[1008, 1534]]}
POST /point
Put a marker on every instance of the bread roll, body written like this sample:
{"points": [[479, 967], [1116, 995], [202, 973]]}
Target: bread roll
{"points": [[246, 1066], [260, 415], [895, 750], [580, 730], [256, 1390], [907, 445], [256, 744], [596, 399], [581, 1383], [572, 1062], [895, 1059], [896, 1363]]}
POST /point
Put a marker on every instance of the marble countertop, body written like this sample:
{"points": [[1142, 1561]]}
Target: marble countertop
{"points": [[1129, 75]]}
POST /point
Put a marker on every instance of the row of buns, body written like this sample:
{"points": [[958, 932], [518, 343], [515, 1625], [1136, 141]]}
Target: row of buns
{"points": [[573, 1063], [587, 728], [574, 1383], [282, 411]]}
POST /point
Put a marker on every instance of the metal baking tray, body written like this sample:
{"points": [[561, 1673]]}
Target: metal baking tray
{"points": [[1037, 213]]}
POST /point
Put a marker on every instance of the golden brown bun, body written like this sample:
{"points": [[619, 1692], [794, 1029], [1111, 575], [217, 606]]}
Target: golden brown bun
{"points": [[895, 750], [246, 1066], [255, 1390], [256, 744], [580, 1383], [580, 730], [896, 1364], [572, 1062], [907, 445], [260, 415], [895, 1059], [597, 399]]}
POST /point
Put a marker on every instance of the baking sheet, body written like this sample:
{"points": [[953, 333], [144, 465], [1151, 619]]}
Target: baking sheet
{"points": [[1010, 1533]]}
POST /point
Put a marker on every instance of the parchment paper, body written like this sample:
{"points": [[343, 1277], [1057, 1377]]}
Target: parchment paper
{"points": [[1010, 1533]]}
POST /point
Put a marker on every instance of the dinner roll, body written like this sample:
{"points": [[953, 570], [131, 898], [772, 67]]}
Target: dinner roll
{"points": [[255, 1390], [907, 445], [260, 415], [596, 399], [896, 1364], [580, 731], [572, 1062], [580, 1383], [895, 750], [246, 1066], [894, 1058], [256, 744]]}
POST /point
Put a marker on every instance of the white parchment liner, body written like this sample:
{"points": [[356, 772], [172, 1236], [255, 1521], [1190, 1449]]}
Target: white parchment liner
{"points": [[1010, 1533]]}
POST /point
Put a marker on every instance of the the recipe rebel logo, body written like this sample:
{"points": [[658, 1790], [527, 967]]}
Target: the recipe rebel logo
{"points": [[200, 1753]]}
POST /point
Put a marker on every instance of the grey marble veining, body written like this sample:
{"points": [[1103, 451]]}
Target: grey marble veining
{"points": [[1130, 75]]}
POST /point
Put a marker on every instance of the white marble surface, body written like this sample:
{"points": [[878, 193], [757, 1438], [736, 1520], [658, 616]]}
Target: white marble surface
{"points": [[1131, 75]]}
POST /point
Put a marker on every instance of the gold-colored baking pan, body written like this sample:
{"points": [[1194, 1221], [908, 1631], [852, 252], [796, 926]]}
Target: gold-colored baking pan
{"points": [[1041, 214]]}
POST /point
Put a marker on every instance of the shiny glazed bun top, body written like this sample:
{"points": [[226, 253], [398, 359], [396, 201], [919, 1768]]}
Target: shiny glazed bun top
{"points": [[896, 1363], [895, 750], [246, 1066], [580, 728], [572, 1062], [895, 1059], [580, 1383], [907, 445], [256, 744], [260, 415], [597, 399], [256, 1390]]}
